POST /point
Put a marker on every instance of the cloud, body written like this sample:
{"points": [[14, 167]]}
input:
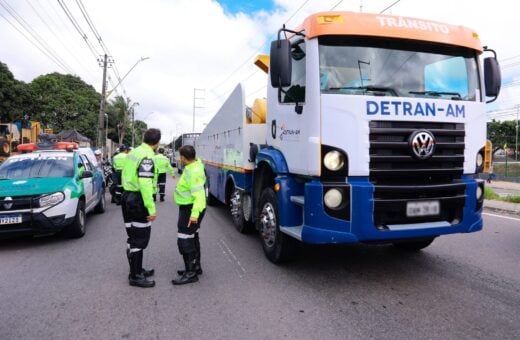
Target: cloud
{"points": [[197, 44]]}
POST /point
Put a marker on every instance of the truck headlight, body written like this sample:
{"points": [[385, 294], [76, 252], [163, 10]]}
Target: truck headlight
{"points": [[333, 160], [480, 192], [52, 199], [333, 198]]}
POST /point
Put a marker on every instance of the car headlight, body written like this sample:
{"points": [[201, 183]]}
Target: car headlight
{"points": [[52, 199], [333, 198], [333, 160]]}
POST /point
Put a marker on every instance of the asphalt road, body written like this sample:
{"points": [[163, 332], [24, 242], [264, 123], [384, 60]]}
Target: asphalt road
{"points": [[461, 287]]}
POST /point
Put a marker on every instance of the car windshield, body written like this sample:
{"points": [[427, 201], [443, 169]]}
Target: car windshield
{"points": [[37, 166], [389, 67]]}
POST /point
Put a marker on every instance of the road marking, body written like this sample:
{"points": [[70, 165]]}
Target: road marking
{"points": [[502, 216], [226, 250]]}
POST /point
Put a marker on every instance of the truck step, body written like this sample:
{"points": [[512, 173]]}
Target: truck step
{"points": [[295, 232], [300, 200]]}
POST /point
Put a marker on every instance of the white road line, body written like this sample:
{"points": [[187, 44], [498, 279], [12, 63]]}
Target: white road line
{"points": [[502, 216]]}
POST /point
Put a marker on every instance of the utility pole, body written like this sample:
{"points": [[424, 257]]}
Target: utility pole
{"points": [[195, 104], [516, 143], [104, 62]]}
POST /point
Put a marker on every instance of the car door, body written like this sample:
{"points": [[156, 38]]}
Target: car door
{"points": [[88, 186]]}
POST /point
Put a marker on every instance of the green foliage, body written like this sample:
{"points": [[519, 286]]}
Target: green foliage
{"points": [[15, 98], [65, 102], [501, 133], [489, 194]]}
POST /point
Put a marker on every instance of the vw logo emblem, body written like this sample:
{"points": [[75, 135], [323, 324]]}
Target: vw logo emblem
{"points": [[8, 203], [422, 144]]}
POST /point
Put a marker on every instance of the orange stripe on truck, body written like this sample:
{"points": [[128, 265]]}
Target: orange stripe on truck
{"points": [[378, 25], [228, 167]]}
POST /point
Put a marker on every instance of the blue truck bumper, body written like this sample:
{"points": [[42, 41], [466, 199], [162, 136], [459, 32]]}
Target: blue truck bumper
{"points": [[360, 225]]}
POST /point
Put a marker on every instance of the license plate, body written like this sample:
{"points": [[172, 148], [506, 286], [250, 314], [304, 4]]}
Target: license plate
{"points": [[10, 219], [426, 208]]}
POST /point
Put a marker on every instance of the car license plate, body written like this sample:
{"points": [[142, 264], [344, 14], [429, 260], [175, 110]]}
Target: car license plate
{"points": [[426, 208], [10, 219]]}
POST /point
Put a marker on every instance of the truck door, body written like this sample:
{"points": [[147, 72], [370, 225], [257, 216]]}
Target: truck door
{"points": [[88, 185], [293, 115]]}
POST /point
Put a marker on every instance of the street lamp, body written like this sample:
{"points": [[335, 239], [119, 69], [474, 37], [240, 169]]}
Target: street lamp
{"points": [[131, 110], [121, 80]]}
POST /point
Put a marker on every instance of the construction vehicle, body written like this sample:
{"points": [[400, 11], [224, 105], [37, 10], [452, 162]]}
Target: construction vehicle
{"points": [[373, 131], [15, 133]]}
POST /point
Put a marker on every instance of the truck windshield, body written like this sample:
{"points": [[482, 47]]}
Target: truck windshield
{"points": [[390, 67], [39, 166]]}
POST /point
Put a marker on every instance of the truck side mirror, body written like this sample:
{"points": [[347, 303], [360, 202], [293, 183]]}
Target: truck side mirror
{"points": [[492, 78], [280, 67]]}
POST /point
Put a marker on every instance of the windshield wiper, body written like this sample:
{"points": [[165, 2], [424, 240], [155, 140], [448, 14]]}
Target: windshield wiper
{"points": [[368, 88], [455, 95]]}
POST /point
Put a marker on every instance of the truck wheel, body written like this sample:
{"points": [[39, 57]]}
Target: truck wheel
{"points": [[102, 204], [77, 228], [6, 148], [239, 206], [278, 247], [415, 245]]}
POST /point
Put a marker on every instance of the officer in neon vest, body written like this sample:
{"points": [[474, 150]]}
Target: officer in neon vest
{"points": [[118, 164], [138, 206], [190, 196], [162, 165]]}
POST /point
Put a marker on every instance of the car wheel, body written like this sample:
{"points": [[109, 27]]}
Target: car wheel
{"points": [[77, 228], [239, 206], [277, 246], [414, 245], [102, 204]]}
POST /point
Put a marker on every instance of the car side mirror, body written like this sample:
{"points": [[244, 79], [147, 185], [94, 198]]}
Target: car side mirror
{"points": [[86, 174]]}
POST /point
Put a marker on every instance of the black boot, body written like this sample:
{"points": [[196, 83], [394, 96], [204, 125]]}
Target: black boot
{"points": [[145, 272], [190, 274], [154, 198], [198, 268], [136, 276], [162, 198]]}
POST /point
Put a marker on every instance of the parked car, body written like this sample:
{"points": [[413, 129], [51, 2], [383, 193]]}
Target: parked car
{"points": [[49, 188]]}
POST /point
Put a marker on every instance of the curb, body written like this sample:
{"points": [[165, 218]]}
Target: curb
{"points": [[500, 206]]}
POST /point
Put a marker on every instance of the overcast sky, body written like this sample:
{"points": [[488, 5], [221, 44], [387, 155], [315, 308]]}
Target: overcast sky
{"points": [[210, 45]]}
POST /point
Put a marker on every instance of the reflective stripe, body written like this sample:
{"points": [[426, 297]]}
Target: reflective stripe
{"points": [[130, 184], [135, 250], [162, 184], [183, 194], [146, 174], [141, 225], [128, 225], [198, 188], [132, 157], [187, 174], [185, 236]]}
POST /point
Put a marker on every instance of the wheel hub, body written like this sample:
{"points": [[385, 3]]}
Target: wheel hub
{"points": [[268, 225]]}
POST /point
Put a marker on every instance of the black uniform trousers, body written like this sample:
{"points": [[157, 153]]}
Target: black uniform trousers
{"points": [[138, 228], [188, 237], [161, 182]]}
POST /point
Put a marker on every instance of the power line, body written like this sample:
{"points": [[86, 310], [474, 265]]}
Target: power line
{"points": [[392, 5], [55, 57], [56, 35]]}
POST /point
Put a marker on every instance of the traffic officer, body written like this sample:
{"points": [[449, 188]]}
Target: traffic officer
{"points": [[190, 196], [138, 206], [162, 165], [118, 164]]}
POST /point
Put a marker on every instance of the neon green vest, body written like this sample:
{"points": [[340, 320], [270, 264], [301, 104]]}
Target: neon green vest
{"points": [[138, 173], [190, 188]]}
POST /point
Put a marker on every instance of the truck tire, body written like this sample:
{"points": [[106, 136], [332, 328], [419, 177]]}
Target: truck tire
{"points": [[102, 204], [77, 228], [277, 246], [5, 148], [237, 209], [414, 245]]}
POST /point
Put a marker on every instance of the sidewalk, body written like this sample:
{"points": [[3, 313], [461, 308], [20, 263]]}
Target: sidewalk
{"points": [[500, 206]]}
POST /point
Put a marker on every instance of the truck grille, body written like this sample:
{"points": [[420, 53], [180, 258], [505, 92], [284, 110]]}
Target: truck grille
{"points": [[399, 177]]}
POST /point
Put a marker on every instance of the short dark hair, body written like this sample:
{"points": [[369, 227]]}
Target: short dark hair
{"points": [[188, 151], [161, 150], [152, 136]]}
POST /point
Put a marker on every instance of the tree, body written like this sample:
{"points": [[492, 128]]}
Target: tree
{"points": [[501, 133], [65, 102], [121, 110], [15, 98]]}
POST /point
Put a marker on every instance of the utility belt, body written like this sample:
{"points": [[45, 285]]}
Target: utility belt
{"points": [[185, 207]]}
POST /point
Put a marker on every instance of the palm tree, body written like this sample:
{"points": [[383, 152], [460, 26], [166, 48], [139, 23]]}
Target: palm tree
{"points": [[122, 109]]}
